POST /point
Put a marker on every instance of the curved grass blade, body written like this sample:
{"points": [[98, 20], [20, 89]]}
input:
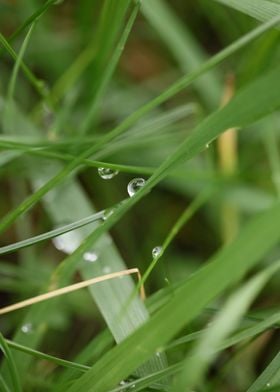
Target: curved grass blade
{"points": [[224, 269], [47, 357], [11, 364], [223, 324], [174, 89], [270, 377]]}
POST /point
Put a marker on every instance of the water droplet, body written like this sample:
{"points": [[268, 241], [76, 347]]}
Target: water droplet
{"points": [[106, 270], [27, 328], [67, 242], [156, 251], [268, 384], [207, 145], [107, 213], [134, 186], [158, 354], [106, 173], [90, 257]]}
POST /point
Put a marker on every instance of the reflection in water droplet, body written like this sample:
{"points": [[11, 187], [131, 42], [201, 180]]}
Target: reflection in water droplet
{"points": [[106, 270], [134, 185], [156, 251], [106, 173], [91, 257], [27, 328], [67, 242]]}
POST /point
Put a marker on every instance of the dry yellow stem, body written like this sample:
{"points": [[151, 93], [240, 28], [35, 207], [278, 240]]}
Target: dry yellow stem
{"points": [[73, 287], [227, 142]]}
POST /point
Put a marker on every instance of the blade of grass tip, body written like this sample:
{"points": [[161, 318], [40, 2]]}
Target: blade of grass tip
{"points": [[174, 89], [12, 83], [10, 362], [269, 377], [39, 85], [224, 269], [8, 112], [47, 357], [223, 324], [107, 74]]}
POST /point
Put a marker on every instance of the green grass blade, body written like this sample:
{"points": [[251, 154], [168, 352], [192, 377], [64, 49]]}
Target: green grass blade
{"points": [[108, 72], [269, 377], [37, 84], [260, 9], [47, 357], [223, 270], [11, 365], [223, 324], [174, 89], [184, 48]]}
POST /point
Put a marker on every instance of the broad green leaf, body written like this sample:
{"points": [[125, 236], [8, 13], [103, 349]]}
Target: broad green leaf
{"points": [[223, 270]]}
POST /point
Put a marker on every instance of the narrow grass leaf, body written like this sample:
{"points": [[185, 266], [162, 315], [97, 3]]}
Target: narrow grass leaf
{"points": [[224, 269], [174, 89]]}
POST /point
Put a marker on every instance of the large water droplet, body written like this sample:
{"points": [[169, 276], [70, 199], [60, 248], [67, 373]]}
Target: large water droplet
{"points": [[90, 257], [27, 328], [156, 251], [134, 185], [67, 242], [106, 173]]}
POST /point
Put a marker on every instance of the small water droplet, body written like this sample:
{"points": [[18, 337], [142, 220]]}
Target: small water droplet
{"points": [[106, 173], [106, 270], [67, 242], [27, 328], [268, 384], [134, 186], [156, 251], [90, 257], [158, 354], [207, 145], [107, 213]]}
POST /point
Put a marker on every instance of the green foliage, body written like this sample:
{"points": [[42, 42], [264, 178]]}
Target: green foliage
{"points": [[147, 89]]}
